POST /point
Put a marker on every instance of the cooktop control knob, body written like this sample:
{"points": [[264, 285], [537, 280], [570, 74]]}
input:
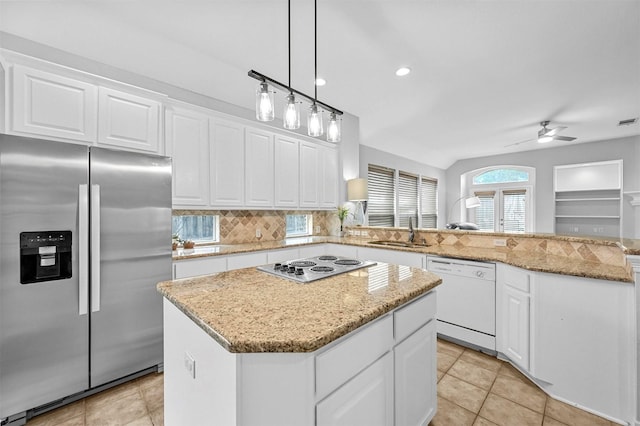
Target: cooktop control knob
{"points": [[299, 271], [292, 269], [276, 267]]}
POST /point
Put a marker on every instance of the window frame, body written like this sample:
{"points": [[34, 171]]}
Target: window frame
{"points": [[309, 226], [499, 188], [198, 241]]}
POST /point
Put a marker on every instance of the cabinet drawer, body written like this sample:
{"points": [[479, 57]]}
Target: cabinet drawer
{"points": [[413, 316], [517, 278], [247, 260], [343, 361], [192, 268]]}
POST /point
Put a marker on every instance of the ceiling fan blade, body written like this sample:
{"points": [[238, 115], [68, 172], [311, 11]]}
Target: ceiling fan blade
{"points": [[564, 138], [519, 143], [555, 131]]}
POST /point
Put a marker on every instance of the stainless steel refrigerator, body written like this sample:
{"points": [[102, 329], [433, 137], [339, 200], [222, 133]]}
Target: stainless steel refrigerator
{"points": [[84, 238]]}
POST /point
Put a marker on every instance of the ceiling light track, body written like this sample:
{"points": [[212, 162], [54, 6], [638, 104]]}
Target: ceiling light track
{"points": [[276, 84]]}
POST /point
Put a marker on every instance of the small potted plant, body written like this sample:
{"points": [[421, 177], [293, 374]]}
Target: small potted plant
{"points": [[343, 213], [175, 241], [188, 244]]}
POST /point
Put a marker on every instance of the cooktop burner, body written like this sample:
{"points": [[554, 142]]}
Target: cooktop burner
{"points": [[347, 262], [314, 268]]}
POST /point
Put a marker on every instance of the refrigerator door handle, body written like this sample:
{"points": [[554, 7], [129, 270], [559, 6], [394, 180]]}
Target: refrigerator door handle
{"points": [[95, 248], [83, 249]]}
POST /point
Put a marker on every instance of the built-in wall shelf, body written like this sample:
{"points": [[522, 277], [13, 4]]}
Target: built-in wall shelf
{"points": [[588, 199]]}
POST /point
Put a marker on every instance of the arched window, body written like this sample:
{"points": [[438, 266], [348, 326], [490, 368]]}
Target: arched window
{"points": [[506, 198]]}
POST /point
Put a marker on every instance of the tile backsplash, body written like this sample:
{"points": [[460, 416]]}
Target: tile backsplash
{"points": [[239, 226]]}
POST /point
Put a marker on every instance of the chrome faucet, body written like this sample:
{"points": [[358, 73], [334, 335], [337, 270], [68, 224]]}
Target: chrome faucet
{"points": [[412, 234]]}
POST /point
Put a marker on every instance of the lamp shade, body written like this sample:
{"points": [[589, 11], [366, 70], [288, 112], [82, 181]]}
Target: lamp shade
{"points": [[357, 190], [472, 202]]}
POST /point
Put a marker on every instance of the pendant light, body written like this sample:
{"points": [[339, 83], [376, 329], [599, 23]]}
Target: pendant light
{"points": [[333, 128], [314, 119], [291, 116], [264, 103]]}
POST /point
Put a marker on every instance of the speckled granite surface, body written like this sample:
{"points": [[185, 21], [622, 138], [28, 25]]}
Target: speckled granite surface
{"points": [[247, 310], [544, 253]]}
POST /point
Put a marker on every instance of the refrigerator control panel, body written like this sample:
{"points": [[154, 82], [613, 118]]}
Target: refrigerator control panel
{"points": [[45, 256]]}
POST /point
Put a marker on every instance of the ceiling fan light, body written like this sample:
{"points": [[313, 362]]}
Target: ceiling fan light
{"points": [[264, 103], [291, 113], [314, 122], [320, 81], [333, 128], [545, 139], [402, 71]]}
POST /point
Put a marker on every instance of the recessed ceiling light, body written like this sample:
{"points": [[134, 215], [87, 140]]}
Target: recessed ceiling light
{"points": [[400, 72], [320, 81]]}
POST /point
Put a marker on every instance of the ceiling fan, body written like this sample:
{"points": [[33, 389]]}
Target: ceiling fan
{"points": [[546, 135]]}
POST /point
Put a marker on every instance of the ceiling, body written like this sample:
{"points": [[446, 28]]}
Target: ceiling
{"points": [[484, 72]]}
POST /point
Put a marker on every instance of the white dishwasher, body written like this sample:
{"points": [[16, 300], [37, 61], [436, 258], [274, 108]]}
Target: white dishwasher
{"points": [[466, 300]]}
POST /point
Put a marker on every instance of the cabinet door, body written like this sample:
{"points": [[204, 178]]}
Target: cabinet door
{"points": [[128, 121], [309, 174], [515, 326], [328, 184], [49, 105], [259, 168], [416, 377], [187, 138], [287, 178], [365, 400], [227, 163]]}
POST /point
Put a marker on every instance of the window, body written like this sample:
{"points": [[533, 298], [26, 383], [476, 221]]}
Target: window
{"points": [[380, 181], [299, 225], [197, 228], [429, 200], [395, 196], [407, 199], [501, 176], [505, 198]]}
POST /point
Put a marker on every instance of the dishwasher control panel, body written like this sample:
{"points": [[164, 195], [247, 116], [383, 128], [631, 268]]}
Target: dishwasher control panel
{"points": [[464, 268]]}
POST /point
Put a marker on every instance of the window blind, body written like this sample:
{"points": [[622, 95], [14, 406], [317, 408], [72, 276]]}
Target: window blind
{"points": [[514, 210], [407, 199], [485, 213], [429, 200], [380, 182]]}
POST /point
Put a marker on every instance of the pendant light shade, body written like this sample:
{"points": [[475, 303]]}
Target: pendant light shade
{"points": [[291, 113], [314, 122], [264, 103], [333, 128]]}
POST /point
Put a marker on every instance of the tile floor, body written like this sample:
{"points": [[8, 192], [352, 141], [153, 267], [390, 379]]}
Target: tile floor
{"points": [[473, 389]]}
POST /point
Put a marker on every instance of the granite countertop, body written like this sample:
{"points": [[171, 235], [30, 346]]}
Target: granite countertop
{"points": [[533, 261], [247, 310]]}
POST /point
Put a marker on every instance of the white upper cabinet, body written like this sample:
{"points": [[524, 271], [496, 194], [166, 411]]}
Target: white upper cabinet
{"points": [[187, 142], [128, 121], [49, 105], [329, 179], [286, 174], [310, 170], [259, 177], [226, 163]]}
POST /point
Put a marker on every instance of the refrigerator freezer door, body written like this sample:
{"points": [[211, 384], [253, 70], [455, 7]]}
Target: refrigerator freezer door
{"points": [[43, 338], [135, 254]]}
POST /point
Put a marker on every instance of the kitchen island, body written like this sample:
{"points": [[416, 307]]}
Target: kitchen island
{"points": [[245, 347]]}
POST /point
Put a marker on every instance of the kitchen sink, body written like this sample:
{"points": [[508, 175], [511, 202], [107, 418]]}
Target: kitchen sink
{"points": [[398, 244]]}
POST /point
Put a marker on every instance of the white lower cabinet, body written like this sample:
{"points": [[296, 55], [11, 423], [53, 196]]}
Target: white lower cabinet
{"points": [[383, 373], [342, 250], [195, 267], [415, 380], [365, 400], [513, 314]]}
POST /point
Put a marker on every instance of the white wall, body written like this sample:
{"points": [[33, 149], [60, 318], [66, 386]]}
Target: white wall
{"points": [[370, 155], [627, 149]]}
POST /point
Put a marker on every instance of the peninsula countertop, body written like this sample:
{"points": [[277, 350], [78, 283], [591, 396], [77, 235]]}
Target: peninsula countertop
{"points": [[247, 310]]}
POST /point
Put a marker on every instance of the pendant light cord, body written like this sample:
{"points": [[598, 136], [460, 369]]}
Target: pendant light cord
{"points": [[315, 50], [289, 40]]}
